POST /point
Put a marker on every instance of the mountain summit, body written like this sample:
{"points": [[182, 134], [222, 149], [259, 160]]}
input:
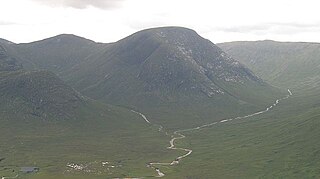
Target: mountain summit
{"points": [[164, 65]]}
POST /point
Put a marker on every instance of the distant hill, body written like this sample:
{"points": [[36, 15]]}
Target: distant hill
{"points": [[284, 64], [55, 54]]}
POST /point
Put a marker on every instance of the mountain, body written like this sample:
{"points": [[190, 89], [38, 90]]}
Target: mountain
{"points": [[169, 66], [286, 64], [168, 59]]}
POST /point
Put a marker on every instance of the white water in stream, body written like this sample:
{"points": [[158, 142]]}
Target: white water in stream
{"points": [[10, 177], [177, 135]]}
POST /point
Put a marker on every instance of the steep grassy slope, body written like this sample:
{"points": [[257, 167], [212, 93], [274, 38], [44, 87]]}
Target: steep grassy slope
{"points": [[37, 93], [294, 65]]}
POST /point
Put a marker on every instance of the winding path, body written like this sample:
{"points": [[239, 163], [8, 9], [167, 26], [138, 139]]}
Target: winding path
{"points": [[177, 135]]}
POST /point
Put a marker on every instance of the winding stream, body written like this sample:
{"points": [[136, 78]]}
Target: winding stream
{"points": [[177, 135]]}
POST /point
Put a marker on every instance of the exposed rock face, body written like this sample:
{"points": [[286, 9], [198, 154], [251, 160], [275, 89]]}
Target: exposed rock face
{"points": [[189, 62]]}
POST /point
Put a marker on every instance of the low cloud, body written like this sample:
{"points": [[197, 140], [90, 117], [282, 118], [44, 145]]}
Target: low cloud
{"points": [[276, 28], [82, 4], [245, 29]]}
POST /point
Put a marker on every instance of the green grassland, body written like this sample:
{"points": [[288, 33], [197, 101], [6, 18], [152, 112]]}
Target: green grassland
{"points": [[99, 133], [280, 144]]}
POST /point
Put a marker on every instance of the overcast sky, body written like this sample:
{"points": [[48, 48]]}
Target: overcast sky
{"points": [[111, 20]]}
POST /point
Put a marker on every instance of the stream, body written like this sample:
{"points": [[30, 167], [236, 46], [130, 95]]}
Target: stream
{"points": [[177, 135]]}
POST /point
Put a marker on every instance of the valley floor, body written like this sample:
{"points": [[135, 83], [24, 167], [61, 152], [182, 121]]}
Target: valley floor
{"points": [[278, 142]]}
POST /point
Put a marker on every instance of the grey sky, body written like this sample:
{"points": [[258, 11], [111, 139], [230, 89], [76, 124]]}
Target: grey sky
{"points": [[111, 20], [81, 4], [6, 23]]}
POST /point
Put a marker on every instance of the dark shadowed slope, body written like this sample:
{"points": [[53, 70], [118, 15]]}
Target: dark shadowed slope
{"points": [[34, 93]]}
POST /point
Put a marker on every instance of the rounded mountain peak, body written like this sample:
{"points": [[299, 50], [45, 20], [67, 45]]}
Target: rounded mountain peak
{"points": [[170, 30], [172, 35]]}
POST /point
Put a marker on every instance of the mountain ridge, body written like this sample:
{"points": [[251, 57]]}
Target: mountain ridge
{"points": [[150, 35], [167, 67]]}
